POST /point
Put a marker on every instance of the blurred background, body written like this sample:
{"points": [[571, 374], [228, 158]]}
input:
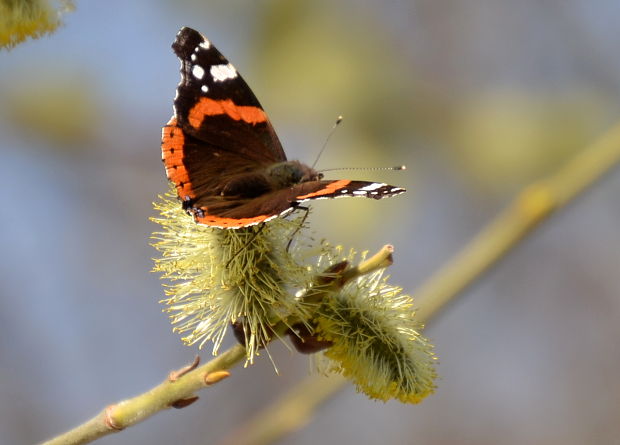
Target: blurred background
{"points": [[477, 98]]}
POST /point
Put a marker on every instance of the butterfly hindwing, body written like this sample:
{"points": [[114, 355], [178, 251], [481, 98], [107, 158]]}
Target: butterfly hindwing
{"points": [[280, 202]]}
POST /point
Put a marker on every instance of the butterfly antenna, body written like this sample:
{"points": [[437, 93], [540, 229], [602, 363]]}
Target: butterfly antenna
{"points": [[396, 168], [327, 139]]}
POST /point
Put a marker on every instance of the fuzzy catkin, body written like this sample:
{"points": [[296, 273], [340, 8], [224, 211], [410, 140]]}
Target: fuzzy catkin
{"points": [[376, 340], [219, 276]]}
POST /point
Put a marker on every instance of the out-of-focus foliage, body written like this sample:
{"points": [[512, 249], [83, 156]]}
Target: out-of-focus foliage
{"points": [[23, 19], [360, 71], [62, 110], [503, 139]]}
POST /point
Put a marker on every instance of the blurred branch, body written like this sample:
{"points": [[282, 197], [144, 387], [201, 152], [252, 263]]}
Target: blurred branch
{"points": [[532, 206], [178, 391], [289, 413]]}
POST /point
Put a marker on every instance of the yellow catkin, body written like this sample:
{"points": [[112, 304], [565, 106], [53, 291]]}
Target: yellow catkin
{"points": [[376, 341], [218, 276]]}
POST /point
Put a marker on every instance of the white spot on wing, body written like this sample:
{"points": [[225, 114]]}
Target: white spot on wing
{"points": [[363, 192], [204, 88], [205, 45], [373, 186], [222, 72], [198, 72], [193, 57]]}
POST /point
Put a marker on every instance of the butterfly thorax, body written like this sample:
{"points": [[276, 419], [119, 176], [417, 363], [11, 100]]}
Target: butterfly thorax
{"points": [[287, 174], [278, 176]]}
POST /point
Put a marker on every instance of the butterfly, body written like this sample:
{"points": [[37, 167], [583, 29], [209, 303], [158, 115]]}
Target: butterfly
{"points": [[223, 155]]}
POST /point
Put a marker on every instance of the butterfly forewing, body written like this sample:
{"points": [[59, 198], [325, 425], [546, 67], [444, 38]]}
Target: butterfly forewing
{"points": [[215, 105]]}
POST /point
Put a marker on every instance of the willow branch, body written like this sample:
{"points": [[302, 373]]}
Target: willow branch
{"points": [[532, 206], [181, 386]]}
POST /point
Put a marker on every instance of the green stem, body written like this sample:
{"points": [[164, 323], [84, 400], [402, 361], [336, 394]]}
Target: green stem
{"points": [[128, 412], [173, 391]]}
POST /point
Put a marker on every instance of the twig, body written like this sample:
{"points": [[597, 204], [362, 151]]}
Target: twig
{"points": [[180, 387], [117, 417]]}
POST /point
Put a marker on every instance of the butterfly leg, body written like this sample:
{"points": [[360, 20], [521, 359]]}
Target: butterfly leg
{"points": [[301, 224]]}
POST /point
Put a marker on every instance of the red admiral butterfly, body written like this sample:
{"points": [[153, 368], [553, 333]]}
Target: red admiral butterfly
{"points": [[223, 155]]}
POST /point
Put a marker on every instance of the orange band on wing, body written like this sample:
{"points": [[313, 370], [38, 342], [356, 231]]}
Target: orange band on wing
{"points": [[230, 223], [172, 144], [210, 107], [327, 190]]}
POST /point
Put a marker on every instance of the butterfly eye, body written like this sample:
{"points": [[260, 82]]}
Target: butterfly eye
{"points": [[297, 176]]}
